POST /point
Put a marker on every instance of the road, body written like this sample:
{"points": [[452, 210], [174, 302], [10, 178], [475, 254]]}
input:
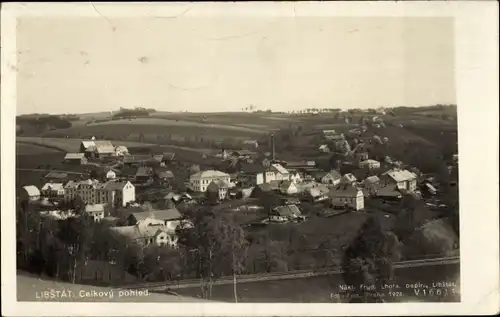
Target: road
{"points": [[47, 170], [250, 278]]}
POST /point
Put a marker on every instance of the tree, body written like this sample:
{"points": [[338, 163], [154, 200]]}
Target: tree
{"points": [[76, 235], [368, 260]]}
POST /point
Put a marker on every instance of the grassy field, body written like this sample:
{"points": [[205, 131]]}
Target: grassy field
{"points": [[73, 144], [31, 149], [176, 123]]}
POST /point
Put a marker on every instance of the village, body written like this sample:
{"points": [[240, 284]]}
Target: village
{"points": [[148, 199]]}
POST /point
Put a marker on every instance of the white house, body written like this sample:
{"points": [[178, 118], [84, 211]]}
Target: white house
{"points": [[346, 195], [349, 179], [295, 177], [93, 192], [152, 227], [324, 148], [95, 212], [403, 179], [276, 172], [369, 164], [332, 178], [52, 190], [30, 193], [282, 174], [199, 182], [288, 188]]}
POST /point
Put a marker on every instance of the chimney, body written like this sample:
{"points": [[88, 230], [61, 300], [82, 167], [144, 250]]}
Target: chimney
{"points": [[273, 154]]}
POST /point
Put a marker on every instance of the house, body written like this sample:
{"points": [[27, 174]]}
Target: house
{"points": [[199, 182], [92, 192], [403, 179], [29, 193], [317, 194], [251, 144], [324, 148], [288, 188], [285, 213], [371, 184], [332, 178], [349, 178], [168, 217], [280, 172], [52, 190], [95, 212], [146, 234], [369, 164], [219, 189], [56, 176], [347, 196], [156, 226], [121, 150], [295, 177], [93, 148], [143, 174], [75, 158]]}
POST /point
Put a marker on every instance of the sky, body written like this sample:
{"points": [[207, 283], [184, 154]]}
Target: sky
{"points": [[208, 64]]}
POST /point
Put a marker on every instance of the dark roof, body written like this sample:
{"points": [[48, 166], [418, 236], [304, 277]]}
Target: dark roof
{"points": [[216, 185], [389, 191], [251, 168], [343, 189]]}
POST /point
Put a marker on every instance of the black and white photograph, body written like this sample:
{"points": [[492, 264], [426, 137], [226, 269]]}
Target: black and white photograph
{"points": [[263, 158]]}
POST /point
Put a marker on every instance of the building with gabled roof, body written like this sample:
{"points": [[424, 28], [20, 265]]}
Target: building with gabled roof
{"points": [[75, 158], [30, 193], [199, 182], [94, 212], [347, 196], [52, 190], [333, 177], [403, 179], [285, 213], [113, 193], [288, 187], [219, 188], [97, 148], [369, 164]]}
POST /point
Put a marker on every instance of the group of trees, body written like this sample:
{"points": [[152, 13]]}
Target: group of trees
{"points": [[35, 124]]}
